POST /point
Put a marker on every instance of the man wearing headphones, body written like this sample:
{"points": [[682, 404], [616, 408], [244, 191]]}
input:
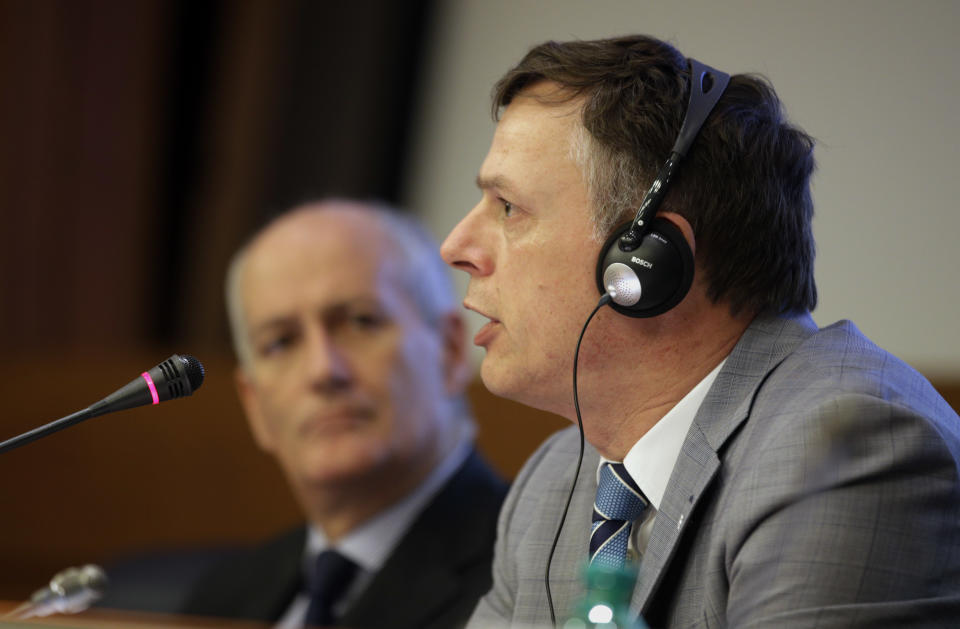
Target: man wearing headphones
{"points": [[750, 468], [352, 373]]}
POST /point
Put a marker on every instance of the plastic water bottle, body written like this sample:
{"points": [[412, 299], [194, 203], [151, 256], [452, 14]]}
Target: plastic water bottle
{"points": [[606, 605]]}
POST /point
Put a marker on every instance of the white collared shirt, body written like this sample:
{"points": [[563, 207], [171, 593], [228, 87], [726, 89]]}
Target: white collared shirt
{"points": [[651, 460], [370, 544]]}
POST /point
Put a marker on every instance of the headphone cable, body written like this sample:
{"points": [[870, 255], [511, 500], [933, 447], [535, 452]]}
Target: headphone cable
{"points": [[604, 300]]}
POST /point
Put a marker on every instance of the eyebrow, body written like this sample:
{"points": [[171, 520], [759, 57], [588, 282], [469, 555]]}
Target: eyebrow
{"points": [[497, 181], [333, 309]]}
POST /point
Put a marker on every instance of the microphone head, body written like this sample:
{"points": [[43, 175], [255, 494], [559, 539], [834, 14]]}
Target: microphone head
{"points": [[70, 591], [177, 376], [73, 580], [93, 577], [193, 369]]}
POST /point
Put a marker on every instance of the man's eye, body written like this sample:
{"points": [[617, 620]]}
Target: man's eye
{"points": [[507, 207], [366, 321], [277, 344]]}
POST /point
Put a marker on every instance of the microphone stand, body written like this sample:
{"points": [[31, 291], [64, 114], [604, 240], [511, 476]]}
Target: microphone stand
{"points": [[46, 429]]}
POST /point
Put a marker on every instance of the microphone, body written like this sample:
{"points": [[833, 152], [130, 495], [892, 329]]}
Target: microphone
{"points": [[177, 376], [69, 592]]}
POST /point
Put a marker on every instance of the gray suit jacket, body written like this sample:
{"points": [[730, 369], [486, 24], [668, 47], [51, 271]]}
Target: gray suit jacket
{"points": [[817, 487]]}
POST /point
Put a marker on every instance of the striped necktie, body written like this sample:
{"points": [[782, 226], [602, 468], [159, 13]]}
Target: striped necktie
{"points": [[618, 505]]}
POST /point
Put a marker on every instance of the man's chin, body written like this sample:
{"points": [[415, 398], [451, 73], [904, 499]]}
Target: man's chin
{"points": [[520, 387], [501, 383], [331, 474], [338, 463]]}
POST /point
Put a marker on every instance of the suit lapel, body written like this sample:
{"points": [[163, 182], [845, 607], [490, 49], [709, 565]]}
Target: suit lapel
{"points": [[405, 594], [425, 575], [696, 467], [277, 575], [765, 343]]}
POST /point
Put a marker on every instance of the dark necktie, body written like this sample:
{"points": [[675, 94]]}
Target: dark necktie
{"points": [[619, 503], [328, 581]]}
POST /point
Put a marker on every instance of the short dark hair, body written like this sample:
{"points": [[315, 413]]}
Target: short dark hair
{"points": [[744, 186]]}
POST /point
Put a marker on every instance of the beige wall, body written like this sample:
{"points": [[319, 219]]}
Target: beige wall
{"points": [[876, 82]]}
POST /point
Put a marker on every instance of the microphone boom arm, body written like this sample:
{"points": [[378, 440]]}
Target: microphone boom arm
{"points": [[178, 376], [43, 431]]}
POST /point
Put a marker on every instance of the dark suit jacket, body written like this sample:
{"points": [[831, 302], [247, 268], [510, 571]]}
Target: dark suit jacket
{"points": [[432, 580], [818, 486]]}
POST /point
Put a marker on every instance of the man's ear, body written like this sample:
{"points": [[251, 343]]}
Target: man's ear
{"points": [[456, 365], [684, 226], [247, 392]]}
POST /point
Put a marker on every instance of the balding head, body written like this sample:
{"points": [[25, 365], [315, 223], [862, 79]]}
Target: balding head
{"points": [[352, 348], [375, 230]]}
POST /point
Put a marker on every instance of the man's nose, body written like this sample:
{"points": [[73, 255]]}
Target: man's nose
{"points": [[327, 366], [463, 248]]}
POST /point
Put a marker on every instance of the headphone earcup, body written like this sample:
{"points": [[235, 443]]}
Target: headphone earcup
{"points": [[650, 279]]}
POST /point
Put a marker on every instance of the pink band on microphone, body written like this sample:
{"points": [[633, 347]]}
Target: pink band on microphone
{"points": [[150, 385]]}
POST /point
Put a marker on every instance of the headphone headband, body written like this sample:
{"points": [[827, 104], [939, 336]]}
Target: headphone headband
{"points": [[706, 87], [646, 266]]}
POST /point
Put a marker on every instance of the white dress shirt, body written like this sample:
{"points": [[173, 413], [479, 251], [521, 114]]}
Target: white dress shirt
{"points": [[370, 544], [651, 460]]}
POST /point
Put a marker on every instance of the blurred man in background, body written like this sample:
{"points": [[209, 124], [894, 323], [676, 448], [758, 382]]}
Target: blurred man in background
{"points": [[352, 371]]}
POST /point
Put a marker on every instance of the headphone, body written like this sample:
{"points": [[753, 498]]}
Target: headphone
{"points": [[646, 266]]}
